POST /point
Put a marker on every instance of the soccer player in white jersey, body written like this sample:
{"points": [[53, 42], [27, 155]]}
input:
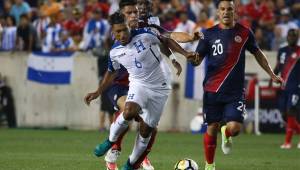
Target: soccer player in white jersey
{"points": [[138, 52], [130, 9]]}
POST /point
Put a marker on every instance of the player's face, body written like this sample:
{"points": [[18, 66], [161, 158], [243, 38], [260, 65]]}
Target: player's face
{"points": [[226, 13], [292, 37], [131, 15], [144, 7], [121, 33]]}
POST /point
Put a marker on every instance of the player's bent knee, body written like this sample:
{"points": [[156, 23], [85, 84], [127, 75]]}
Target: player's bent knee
{"points": [[131, 110]]}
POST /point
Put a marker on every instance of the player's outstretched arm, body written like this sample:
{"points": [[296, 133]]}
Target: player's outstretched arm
{"points": [[107, 80], [174, 46], [263, 62], [183, 37]]}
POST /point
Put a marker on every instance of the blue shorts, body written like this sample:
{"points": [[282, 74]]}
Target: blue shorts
{"points": [[220, 107], [289, 102], [116, 91]]}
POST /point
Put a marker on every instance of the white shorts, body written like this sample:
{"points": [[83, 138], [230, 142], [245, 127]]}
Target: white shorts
{"points": [[152, 102]]}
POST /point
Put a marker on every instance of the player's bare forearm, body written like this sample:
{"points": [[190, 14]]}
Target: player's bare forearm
{"points": [[174, 46], [182, 37], [107, 81], [263, 62]]}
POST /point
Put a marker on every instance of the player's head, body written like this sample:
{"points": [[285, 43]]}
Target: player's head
{"points": [[292, 37], [145, 8], [119, 28], [129, 9], [226, 10]]}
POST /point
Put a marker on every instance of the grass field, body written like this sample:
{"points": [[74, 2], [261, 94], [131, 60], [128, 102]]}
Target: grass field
{"points": [[72, 150]]}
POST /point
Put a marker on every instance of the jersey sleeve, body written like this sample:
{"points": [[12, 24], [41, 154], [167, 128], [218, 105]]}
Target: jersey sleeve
{"points": [[251, 43], [203, 45], [113, 64]]}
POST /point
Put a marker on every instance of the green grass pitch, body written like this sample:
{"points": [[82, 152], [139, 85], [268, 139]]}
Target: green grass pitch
{"points": [[23, 149]]}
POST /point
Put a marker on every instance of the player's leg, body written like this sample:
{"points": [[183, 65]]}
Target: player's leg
{"points": [[234, 117], [131, 111], [148, 123], [142, 140], [213, 115], [292, 124]]}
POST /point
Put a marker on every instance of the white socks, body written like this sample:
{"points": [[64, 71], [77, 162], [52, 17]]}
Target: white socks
{"points": [[116, 128], [139, 147]]}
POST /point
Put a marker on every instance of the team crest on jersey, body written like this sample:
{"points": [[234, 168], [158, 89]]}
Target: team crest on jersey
{"points": [[238, 39], [294, 55]]}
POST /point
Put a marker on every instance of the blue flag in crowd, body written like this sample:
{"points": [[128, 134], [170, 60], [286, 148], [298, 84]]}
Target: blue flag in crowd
{"points": [[50, 68]]}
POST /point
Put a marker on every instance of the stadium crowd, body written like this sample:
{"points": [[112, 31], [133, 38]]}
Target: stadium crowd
{"points": [[70, 25]]}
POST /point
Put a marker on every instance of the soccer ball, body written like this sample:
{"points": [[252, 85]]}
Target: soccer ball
{"points": [[186, 164]]}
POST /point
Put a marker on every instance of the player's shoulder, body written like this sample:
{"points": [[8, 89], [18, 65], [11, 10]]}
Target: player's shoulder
{"points": [[116, 50], [283, 49], [142, 32]]}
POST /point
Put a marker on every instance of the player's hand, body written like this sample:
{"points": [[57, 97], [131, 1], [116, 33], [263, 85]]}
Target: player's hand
{"points": [[177, 66], [194, 58], [91, 96], [277, 79], [197, 35]]}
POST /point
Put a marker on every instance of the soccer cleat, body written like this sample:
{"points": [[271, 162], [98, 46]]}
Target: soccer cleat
{"points": [[102, 148], [226, 142], [298, 146], [127, 166], [111, 166], [286, 146], [112, 155], [146, 164], [210, 166]]}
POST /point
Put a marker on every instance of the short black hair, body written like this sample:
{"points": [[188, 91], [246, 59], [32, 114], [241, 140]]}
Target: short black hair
{"points": [[223, 0], [116, 18], [124, 3]]}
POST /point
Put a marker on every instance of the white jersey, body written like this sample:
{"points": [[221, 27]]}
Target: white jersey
{"points": [[163, 64], [141, 57]]}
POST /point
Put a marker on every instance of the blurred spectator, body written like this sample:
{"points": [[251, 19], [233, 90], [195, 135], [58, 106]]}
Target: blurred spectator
{"points": [[76, 24], [194, 7], [40, 25], [92, 5], [285, 23], [9, 34], [20, 8], [7, 106], [26, 35], [51, 34], [6, 8], [96, 31], [51, 7], [185, 25], [65, 43], [114, 6], [203, 22], [70, 6], [210, 8]]}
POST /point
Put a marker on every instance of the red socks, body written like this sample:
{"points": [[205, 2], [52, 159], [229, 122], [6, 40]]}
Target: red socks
{"points": [[210, 144], [291, 126], [227, 133]]}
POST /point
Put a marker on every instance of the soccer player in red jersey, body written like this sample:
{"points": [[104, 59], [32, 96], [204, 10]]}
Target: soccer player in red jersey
{"points": [[288, 64], [224, 47]]}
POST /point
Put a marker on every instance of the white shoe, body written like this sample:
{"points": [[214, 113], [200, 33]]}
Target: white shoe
{"points": [[226, 142], [146, 164], [298, 146], [112, 155], [286, 146], [210, 166]]}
